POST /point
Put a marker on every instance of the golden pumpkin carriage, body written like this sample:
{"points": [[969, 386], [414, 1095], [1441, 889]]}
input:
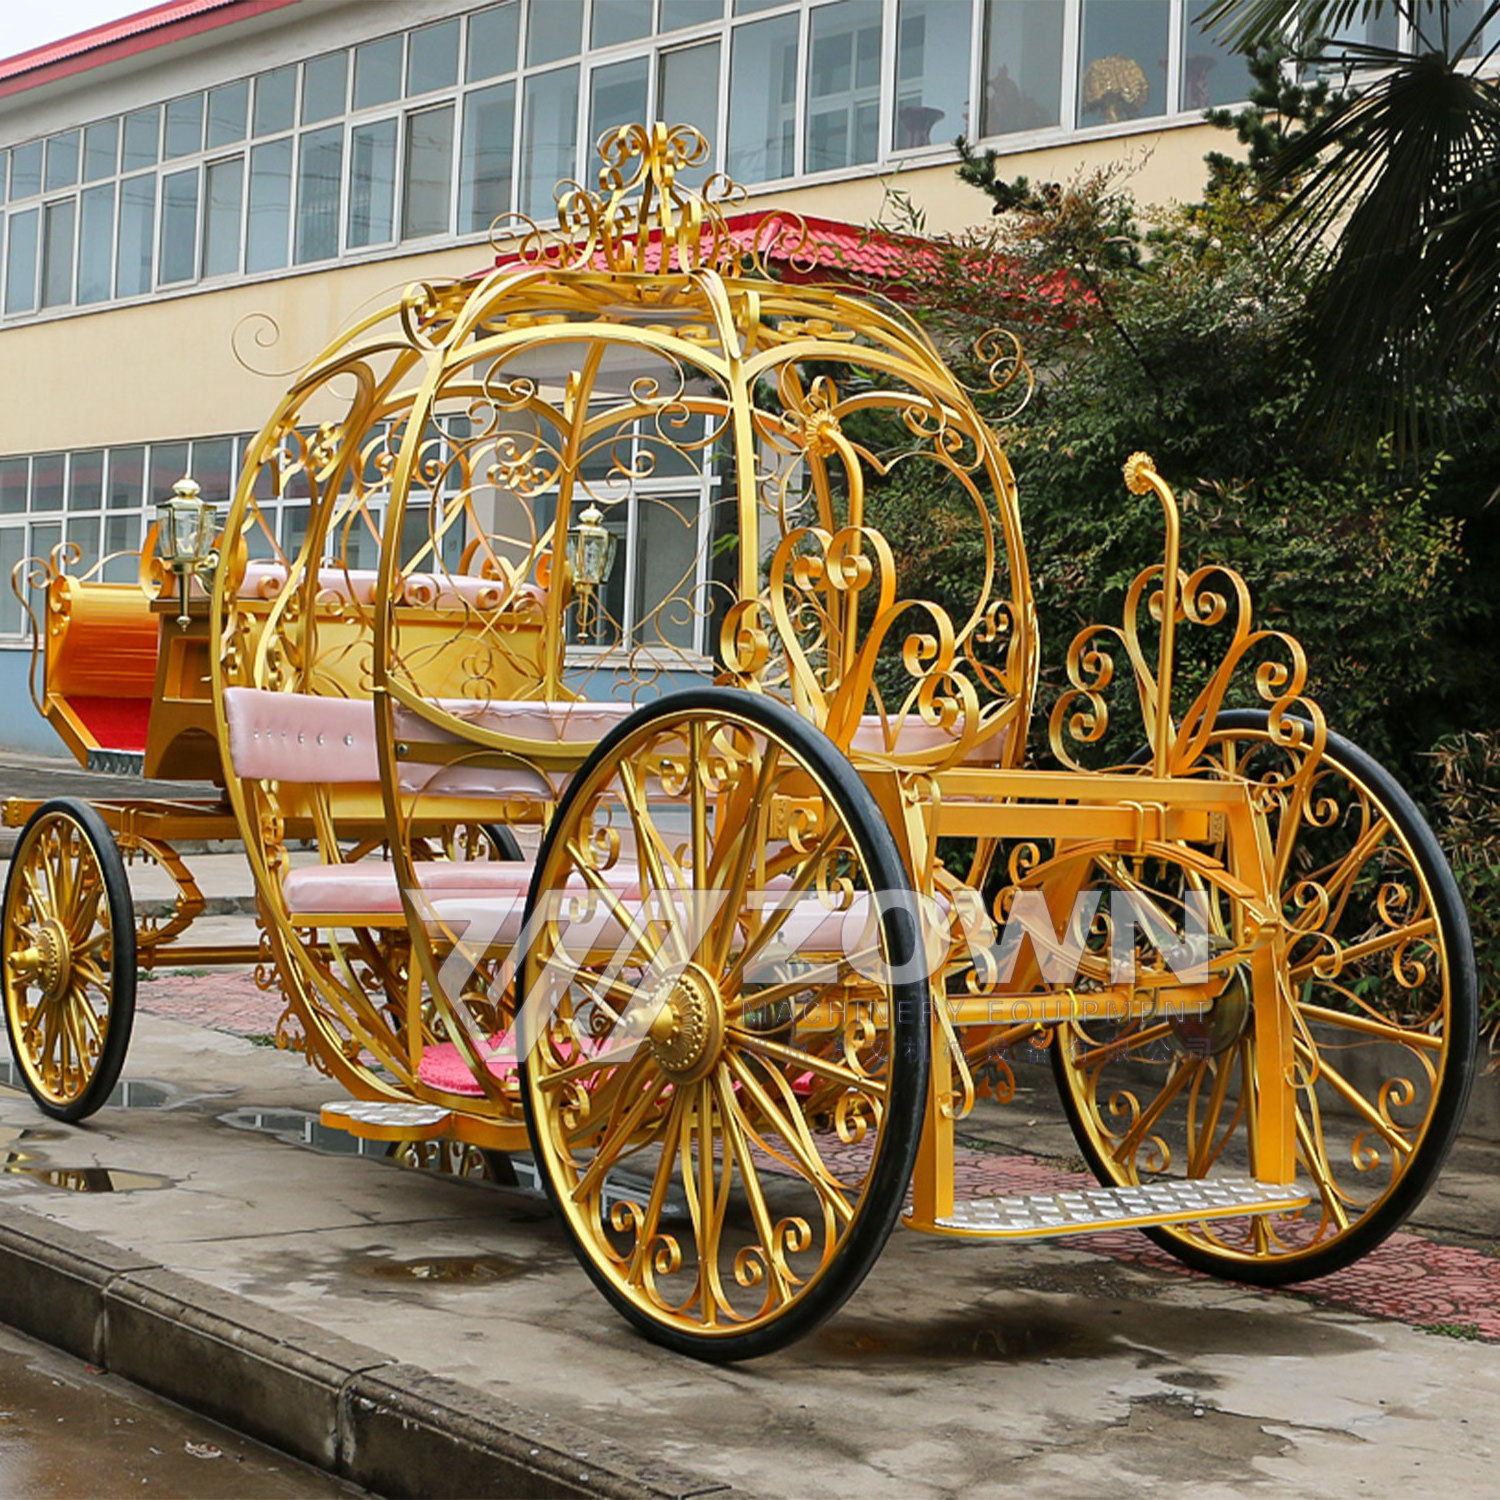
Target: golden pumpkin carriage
{"points": [[788, 902]]}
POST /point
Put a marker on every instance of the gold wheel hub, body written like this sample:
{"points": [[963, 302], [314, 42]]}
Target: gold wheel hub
{"points": [[687, 1032], [46, 961]]}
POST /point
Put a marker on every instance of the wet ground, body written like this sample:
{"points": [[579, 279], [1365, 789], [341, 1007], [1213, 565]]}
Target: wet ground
{"points": [[67, 1429]]}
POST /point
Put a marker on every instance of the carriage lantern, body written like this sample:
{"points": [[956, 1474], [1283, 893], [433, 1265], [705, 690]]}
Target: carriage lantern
{"points": [[184, 525], [591, 556]]}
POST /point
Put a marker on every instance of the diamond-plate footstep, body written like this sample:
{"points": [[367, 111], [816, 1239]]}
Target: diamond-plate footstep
{"points": [[1040, 1215]]}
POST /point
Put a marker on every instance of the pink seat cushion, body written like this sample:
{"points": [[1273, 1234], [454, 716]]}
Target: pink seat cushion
{"points": [[443, 1067], [370, 886]]}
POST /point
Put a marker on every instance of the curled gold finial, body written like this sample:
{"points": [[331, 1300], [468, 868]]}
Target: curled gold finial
{"points": [[1139, 471]]}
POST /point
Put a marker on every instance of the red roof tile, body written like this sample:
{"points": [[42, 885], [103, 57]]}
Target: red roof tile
{"points": [[155, 27]]}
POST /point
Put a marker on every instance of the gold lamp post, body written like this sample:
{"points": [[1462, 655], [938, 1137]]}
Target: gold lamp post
{"points": [[184, 529], [591, 556]]}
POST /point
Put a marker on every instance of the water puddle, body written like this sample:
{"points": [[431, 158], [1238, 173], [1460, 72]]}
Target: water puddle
{"points": [[87, 1179], [128, 1093], [451, 1270], [1035, 1335]]}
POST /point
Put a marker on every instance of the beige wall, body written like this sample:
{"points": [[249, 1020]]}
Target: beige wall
{"points": [[168, 369]]}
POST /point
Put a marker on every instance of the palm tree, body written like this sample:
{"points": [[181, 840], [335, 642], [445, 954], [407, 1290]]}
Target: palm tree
{"points": [[1402, 180]]}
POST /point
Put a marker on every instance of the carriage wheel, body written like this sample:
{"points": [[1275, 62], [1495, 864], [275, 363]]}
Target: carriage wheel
{"points": [[69, 972], [1381, 985], [726, 1079]]}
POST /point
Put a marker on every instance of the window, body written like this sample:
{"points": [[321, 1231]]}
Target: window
{"points": [[619, 96], [932, 96], [675, 14], [270, 206], [1122, 66], [137, 236], [223, 186], [275, 101], [57, 253], [688, 91], [763, 100], [1023, 66], [372, 183], [617, 21], [62, 161], [843, 85], [184, 134], [179, 226], [227, 108], [20, 262], [428, 173], [101, 148], [549, 138], [325, 83], [142, 130], [553, 31], [492, 42], [96, 236], [319, 173], [26, 170], [377, 72], [1212, 75], [432, 58], [489, 126]]}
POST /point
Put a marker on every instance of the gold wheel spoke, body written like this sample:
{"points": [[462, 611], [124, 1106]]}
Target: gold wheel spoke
{"points": [[785, 905], [1356, 951], [1338, 884], [612, 1146], [1201, 1153], [792, 1128], [606, 1097], [706, 1201], [1102, 1052], [1354, 1099], [735, 1141], [595, 1064], [85, 914], [1366, 1025], [650, 853], [634, 927], [79, 1004], [661, 1180], [808, 1062], [1170, 1089], [752, 825], [1316, 1161]]}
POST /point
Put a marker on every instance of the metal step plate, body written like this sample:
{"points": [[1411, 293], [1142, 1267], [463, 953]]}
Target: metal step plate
{"points": [[1034, 1216], [378, 1120]]}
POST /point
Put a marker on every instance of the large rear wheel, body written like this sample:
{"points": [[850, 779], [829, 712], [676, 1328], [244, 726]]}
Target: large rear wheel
{"points": [[1380, 985]]}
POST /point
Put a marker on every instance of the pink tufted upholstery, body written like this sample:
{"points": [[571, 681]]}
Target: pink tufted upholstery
{"points": [[443, 1066], [300, 737], [265, 580]]}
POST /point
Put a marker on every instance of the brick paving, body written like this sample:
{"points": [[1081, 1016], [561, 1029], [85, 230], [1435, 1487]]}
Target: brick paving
{"points": [[221, 999]]}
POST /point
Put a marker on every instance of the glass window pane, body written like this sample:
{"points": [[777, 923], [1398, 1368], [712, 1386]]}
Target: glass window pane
{"points": [[227, 108], [688, 94], [101, 148], [270, 206], [618, 21], [1122, 72], [12, 493], [222, 190], [12, 550], [20, 262], [62, 161], [26, 170], [96, 237], [179, 227], [763, 100], [184, 126], [843, 85], [678, 13], [275, 101], [122, 536], [137, 234], [325, 87], [1212, 74], [553, 30], [484, 193], [429, 172], [4, 173], [318, 176], [169, 462], [213, 468], [83, 532], [372, 183], [44, 538], [619, 96], [1023, 43], [142, 137], [47, 482], [492, 42], [126, 472], [432, 58], [57, 253], [550, 139], [932, 95], [750, 7], [86, 480], [377, 72]]}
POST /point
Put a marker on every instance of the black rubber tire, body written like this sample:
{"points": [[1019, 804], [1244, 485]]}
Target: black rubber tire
{"points": [[1452, 1089], [881, 1205], [503, 843], [120, 1008]]}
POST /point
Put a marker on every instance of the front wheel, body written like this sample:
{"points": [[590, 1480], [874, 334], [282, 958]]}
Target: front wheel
{"points": [[69, 959], [727, 1021], [1380, 986]]}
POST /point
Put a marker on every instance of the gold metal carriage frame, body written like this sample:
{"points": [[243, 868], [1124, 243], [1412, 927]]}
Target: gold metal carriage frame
{"points": [[725, 888]]}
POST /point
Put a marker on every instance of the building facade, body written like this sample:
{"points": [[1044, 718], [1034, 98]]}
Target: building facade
{"points": [[194, 201]]}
